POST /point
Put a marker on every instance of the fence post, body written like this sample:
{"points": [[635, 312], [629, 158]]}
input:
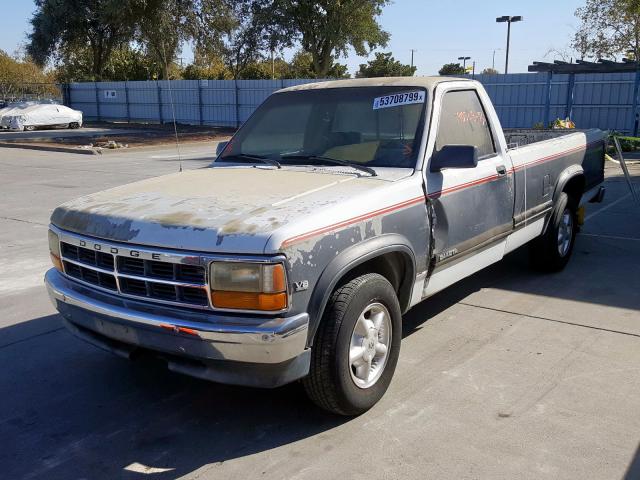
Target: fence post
{"points": [[569, 107], [200, 116], [159, 101], [634, 110], [547, 101], [126, 99], [65, 93], [235, 83], [95, 87]]}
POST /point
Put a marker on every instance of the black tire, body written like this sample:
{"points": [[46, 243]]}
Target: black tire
{"points": [[74, 125], [330, 384], [546, 253], [29, 128]]}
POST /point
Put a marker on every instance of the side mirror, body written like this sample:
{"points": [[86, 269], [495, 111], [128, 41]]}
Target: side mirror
{"points": [[454, 156], [220, 148]]}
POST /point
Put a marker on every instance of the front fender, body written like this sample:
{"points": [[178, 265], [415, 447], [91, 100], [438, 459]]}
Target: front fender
{"points": [[350, 259]]}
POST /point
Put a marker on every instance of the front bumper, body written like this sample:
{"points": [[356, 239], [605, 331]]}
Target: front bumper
{"points": [[242, 350]]}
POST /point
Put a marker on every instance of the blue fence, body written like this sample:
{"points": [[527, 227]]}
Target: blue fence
{"points": [[200, 102], [597, 100], [522, 100]]}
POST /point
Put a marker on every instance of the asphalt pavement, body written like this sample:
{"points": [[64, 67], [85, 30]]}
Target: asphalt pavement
{"points": [[508, 374]]}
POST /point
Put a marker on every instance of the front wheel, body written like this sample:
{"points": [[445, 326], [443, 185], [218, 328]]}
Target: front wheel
{"points": [[29, 128], [357, 346], [551, 252], [74, 125]]}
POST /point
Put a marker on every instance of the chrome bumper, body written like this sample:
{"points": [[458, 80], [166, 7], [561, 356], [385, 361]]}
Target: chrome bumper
{"points": [[121, 325]]}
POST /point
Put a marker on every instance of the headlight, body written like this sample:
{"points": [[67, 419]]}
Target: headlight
{"points": [[54, 250], [248, 286]]}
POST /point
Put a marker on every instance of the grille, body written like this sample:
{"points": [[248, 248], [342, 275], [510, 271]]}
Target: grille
{"points": [[157, 280]]}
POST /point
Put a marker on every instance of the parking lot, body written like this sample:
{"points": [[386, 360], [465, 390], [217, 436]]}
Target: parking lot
{"points": [[509, 374]]}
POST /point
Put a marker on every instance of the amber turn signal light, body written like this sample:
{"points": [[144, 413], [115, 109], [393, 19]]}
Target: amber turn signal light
{"points": [[270, 302], [57, 263]]}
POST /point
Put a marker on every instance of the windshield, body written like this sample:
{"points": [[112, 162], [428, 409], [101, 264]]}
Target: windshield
{"points": [[366, 126]]}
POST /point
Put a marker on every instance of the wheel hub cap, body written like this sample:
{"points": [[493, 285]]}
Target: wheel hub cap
{"points": [[370, 343], [565, 233]]}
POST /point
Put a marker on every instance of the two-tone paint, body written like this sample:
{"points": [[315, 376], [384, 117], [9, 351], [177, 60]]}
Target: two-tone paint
{"points": [[429, 228]]}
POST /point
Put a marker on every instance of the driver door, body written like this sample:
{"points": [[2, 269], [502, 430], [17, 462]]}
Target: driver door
{"points": [[473, 207]]}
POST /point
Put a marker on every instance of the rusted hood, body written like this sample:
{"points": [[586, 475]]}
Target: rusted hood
{"points": [[223, 209]]}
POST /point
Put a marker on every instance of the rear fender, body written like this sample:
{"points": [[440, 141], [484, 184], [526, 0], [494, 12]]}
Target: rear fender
{"points": [[569, 174]]}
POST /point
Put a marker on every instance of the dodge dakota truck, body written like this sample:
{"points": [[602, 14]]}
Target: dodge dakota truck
{"points": [[334, 209]]}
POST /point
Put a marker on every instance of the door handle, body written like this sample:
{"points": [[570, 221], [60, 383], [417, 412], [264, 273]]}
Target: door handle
{"points": [[501, 169]]}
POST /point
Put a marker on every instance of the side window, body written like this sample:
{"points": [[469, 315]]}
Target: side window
{"points": [[463, 122]]}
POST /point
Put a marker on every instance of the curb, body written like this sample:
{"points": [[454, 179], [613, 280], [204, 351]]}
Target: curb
{"points": [[52, 148]]}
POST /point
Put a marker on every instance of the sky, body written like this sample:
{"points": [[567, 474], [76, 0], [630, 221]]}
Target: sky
{"points": [[440, 32]]}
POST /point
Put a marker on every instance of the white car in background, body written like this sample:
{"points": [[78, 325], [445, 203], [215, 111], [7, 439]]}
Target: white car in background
{"points": [[29, 117]]}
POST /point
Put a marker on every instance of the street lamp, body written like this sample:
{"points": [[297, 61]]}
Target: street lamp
{"points": [[413, 50], [493, 62], [464, 62], [509, 20]]}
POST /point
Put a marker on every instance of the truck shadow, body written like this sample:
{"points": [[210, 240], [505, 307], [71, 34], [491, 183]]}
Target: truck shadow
{"points": [[633, 471], [78, 412]]}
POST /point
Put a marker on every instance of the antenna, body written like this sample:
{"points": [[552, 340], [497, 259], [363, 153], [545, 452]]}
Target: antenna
{"points": [[173, 109]]}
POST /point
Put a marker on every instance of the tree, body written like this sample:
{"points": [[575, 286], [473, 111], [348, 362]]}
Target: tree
{"points": [[163, 25], [265, 70], [207, 67], [301, 66], [384, 65], [490, 71], [243, 42], [452, 69], [326, 29], [608, 28], [102, 25], [125, 63], [20, 75], [65, 30]]}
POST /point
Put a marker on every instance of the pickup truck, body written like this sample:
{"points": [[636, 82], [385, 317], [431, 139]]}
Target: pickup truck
{"points": [[334, 209]]}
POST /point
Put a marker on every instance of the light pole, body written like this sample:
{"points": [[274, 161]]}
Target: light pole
{"points": [[509, 20], [493, 62], [412, 52], [464, 62]]}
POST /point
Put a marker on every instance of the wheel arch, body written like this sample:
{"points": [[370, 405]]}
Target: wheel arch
{"points": [[389, 255], [572, 180]]}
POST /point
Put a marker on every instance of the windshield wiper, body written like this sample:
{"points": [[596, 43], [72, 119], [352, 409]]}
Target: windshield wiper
{"points": [[247, 156], [320, 158]]}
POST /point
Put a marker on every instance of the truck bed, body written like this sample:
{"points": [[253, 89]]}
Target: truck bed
{"points": [[519, 137], [540, 156]]}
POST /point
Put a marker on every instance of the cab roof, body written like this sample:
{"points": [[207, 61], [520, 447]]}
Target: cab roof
{"points": [[426, 82]]}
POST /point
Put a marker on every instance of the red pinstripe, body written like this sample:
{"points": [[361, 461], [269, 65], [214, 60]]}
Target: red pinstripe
{"points": [[360, 218], [415, 201]]}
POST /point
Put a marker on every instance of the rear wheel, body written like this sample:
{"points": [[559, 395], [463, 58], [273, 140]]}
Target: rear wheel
{"points": [[551, 252], [74, 125], [29, 128], [357, 346]]}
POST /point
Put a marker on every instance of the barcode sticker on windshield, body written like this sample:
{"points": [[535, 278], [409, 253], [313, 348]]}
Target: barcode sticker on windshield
{"points": [[397, 99]]}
